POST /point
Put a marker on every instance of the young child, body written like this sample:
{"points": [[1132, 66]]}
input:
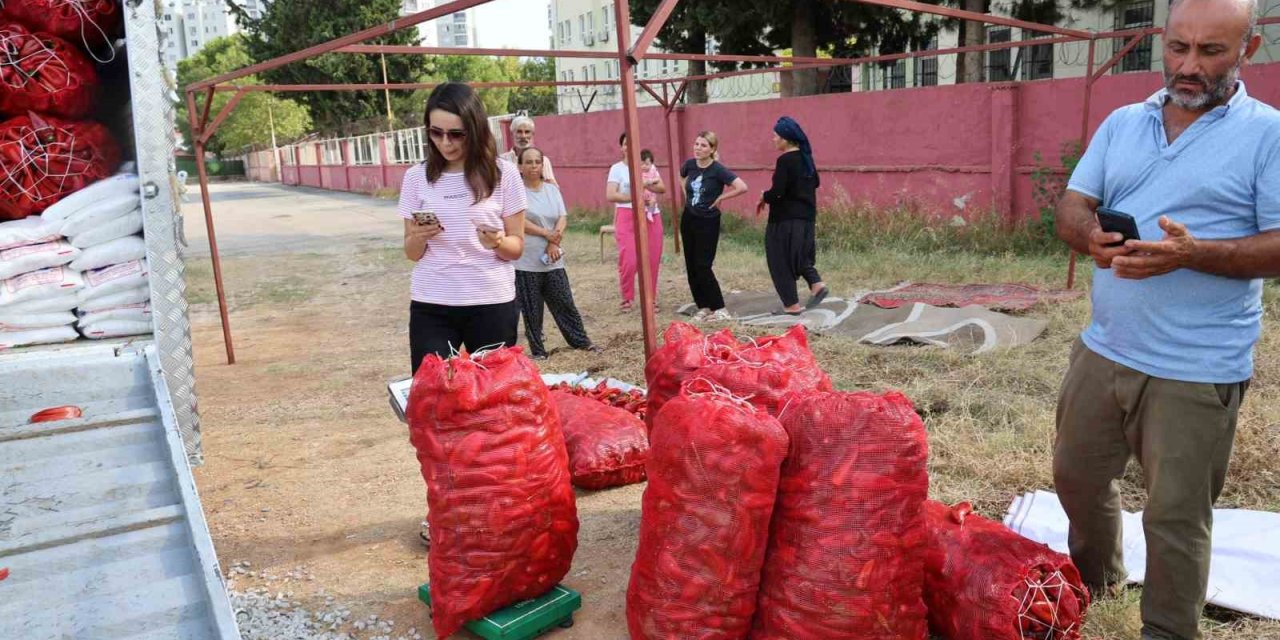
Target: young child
{"points": [[649, 174]]}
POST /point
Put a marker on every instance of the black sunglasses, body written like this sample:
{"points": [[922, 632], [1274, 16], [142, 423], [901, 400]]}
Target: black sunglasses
{"points": [[454, 135]]}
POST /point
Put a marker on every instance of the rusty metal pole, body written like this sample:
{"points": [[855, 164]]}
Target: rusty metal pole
{"points": [[213, 241], [626, 72], [673, 171], [1084, 143]]}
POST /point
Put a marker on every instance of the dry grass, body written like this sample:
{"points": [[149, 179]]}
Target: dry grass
{"points": [[990, 417]]}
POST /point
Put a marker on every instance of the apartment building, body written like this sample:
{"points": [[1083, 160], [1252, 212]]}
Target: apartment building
{"points": [[187, 25], [457, 30], [1039, 62], [588, 25]]}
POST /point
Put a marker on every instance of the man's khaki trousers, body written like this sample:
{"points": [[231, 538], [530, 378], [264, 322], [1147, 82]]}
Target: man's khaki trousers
{"points": [[1181, 434]]}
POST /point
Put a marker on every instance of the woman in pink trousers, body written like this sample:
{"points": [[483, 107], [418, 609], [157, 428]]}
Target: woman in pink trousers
{"points": [[618, 191]]}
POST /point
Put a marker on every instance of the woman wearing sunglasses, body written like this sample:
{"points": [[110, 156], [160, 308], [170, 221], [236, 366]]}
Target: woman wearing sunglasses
{"points": [[463, 213]]}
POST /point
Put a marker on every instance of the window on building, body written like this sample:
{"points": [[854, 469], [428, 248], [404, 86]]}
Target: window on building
{"points": [[364, 150], [1037, 60], [571, 78], [1134, 15], [406, 146], [926, 69], [568, 30], [193, 31], [999, 68], [605, 17], [582, 25], [894, 75], [591, 23]]}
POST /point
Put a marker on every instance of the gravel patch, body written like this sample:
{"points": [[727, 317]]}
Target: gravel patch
{"points": [[270, 612]]}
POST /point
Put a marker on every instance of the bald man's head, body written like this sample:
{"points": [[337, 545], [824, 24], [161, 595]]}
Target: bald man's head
{"points": [[1205, 44], [1244, 10]]}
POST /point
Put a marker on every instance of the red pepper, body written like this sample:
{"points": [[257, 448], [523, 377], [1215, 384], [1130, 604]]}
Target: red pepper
{"points": [[56, 414]]}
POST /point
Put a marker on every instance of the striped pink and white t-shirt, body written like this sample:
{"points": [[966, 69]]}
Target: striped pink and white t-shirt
{"points": [[456, 269]]}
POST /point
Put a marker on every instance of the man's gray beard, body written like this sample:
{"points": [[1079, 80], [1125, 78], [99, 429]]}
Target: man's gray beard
{"points": [[1214, 95]]}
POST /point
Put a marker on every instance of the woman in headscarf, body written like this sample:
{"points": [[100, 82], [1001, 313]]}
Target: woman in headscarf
{"points": [[789, 241]]}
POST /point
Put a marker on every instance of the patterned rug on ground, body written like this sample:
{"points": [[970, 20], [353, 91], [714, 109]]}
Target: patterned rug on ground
{"points": [[1008, 297]]}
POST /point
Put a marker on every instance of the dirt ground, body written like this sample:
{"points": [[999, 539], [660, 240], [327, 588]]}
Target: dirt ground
{"points": [[306, 466]]}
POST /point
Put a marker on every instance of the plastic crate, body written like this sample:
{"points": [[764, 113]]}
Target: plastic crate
{"points": [[523, 620]]}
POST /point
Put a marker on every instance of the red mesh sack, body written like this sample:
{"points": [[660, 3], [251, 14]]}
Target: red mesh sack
{"points": [[503, 520], [88, 23], [632, 401], [713, 476], [607, 446], [39, 72], [767, 371], [844, 556], [985, 582], [44, 159]]}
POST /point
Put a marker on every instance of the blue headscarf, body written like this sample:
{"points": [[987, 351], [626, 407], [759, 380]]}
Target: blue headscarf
{"points": [[790, 130]]}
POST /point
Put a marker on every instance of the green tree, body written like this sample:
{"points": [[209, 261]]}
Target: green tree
{"points": [[250, 123], [537, 101], [478, 69], [292, 25]]}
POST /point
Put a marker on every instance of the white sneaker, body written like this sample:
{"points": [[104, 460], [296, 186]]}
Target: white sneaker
{"points": [[721, 315], [702, 315]]}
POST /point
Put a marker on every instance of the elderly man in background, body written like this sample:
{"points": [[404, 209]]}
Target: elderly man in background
{"points": [[1161, 370], [522, 134]]}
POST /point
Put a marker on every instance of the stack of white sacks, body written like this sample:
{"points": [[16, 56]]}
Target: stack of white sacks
{"points": [[80, 268]]}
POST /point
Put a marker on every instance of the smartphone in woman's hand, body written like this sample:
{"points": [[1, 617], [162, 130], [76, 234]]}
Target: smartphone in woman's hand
{"points": [[425, 217]]}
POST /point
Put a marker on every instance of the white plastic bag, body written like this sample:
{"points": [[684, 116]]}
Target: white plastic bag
{"points": [[35, 257], [115, 329], [26, 321], [118, 185], [99, 213], [113, 300], [111, 252], [11, 339], [140, 312], [112, 279], [65, 301], [38, 285], [29, 230], [110, 230]]}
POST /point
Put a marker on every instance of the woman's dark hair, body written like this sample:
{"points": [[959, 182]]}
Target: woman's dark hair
{"points": [[521, 153], [481, 162], [622, 139], [646, 154]]}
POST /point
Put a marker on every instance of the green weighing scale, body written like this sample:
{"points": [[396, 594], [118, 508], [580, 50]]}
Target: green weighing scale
{"points": [[523, 620]]}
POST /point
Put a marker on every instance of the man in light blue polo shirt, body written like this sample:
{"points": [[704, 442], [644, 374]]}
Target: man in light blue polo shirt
{"points": [[1162, 368]]}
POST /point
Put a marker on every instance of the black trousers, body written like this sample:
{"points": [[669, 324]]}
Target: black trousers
{"points": [[701, 237], [439, 329], [791, 249], [534, 289]]}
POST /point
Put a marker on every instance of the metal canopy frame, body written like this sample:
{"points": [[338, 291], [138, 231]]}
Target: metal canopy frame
{"points": [[666, 91]]}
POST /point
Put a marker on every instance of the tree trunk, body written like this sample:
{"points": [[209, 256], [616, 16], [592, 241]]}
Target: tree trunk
{"points": [[969, 66], [804, 44], [697, 91]]}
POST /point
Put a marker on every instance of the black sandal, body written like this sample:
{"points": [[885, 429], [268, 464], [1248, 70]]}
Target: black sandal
{"points": [[784, 312], [817, 298]]}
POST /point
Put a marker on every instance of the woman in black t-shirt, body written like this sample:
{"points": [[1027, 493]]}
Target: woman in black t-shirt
{"points": [[707, 183], [790, 245]]}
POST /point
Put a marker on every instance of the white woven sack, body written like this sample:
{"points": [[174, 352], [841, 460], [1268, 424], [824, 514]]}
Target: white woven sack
{"points": [[27, 321], [110, 230], [113, 300], [29, 230], [39, 285], [35, 257], [11, 339], [65, 301], [112, 279], [111, 252], [115, 329], [116, 186], [99, 213], [140, 312]]}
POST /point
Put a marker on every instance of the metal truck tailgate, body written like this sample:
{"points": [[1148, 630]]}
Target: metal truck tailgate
{"points": [[101, 528]]}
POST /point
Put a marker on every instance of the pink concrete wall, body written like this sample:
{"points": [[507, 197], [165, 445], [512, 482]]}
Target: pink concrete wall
{"points": [[953, 150]]}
